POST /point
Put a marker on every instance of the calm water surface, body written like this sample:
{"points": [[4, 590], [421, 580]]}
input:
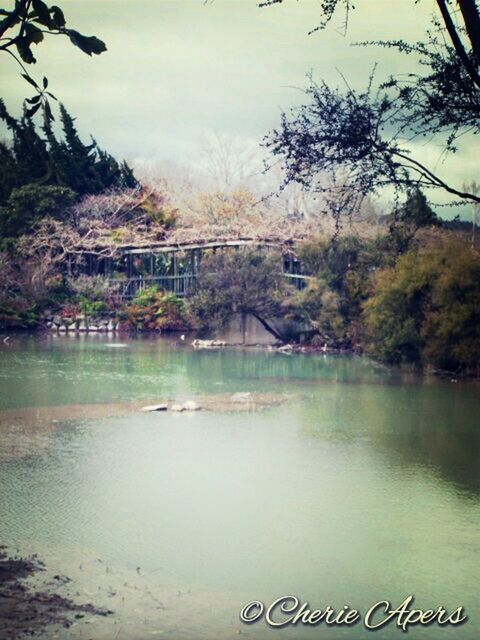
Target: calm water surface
{"points": [[361, 487]]}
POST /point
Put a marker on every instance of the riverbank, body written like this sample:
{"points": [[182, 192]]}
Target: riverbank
{"points": [[29, 604]]}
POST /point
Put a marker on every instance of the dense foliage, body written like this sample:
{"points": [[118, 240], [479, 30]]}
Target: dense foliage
{"points": [[426, 309], [42, 175], [243, 281], [419, 305], [333, 300], [64, 203], [153, 310]]}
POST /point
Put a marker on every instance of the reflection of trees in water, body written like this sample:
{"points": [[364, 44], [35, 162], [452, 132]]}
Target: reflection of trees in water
{"points": [[430, 426], [445, 447], [244, 366], [279, 368]]}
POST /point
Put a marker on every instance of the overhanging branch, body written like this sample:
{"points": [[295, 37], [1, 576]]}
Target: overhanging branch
{"points": [[435, 180], [457, 43]]}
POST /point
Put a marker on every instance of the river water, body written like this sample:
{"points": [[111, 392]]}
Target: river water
{"points": [[360, 485]]}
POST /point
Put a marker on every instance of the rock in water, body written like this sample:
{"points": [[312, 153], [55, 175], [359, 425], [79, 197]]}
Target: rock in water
{"points": [[190, 405], [176, 407], [208, 344], [155, 407]]}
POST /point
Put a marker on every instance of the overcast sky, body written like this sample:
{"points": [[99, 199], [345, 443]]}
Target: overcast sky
{"points": [[177, 68]]}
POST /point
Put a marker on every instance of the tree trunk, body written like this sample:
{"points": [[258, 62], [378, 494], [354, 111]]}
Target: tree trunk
{"points": [[467, 62], [270, 329], [471, 18]]}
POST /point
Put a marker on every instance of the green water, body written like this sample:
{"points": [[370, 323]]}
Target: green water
{"points": [[363, 486]]}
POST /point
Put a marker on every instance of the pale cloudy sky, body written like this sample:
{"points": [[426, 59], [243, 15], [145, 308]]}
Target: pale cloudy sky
{"points": [[177, 68]]}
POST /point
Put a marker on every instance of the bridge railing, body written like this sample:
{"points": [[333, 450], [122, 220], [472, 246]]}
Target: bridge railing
{"points": [[181, 285], [128, 287]]}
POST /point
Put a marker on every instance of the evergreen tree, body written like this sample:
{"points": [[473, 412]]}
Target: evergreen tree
{"points": [[107, 168], [128, 178], [58, 157], [80, 168], [8, 172], [29, 149], [90, 168], [416, 212], [29, 204], [40, 174], [412, 215]]}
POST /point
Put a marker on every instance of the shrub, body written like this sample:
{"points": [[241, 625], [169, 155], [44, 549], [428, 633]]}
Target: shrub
{"points": [[25, 289], [318, 307], [18, 314], [95, 288], [153, 310], [342, 270], [29, 204], [427, 309]]}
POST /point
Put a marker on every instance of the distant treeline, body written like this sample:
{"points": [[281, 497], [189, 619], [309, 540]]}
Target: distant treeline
{"points": [[457, 225]]}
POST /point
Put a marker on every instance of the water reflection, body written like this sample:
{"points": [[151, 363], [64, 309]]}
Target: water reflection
{"points": [[435, 426]]}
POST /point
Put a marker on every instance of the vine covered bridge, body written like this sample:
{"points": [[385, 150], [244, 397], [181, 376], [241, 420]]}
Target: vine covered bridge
{"points": [[174, 267]]}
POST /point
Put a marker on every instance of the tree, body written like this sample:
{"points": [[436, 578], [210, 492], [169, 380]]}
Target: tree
{"points": [[474, 187], [341, 269], [27, 205], [8, 172], [247, 282], [97, 225], [317, 309], [33, 267], [426, 309], [78, 158], [411, 216], [228, 162], [26, 24], [28, 148], [359, 141], [471, 19], [86, 168], [43, 160]]}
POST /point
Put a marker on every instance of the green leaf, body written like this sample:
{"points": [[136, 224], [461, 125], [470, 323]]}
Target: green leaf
{"points": [[51, 95], [34, 100], [32, 33], [31, 112], [30, 80], [42, 13], [57, 17], [23, 48], [45, 83], [88, 44]]}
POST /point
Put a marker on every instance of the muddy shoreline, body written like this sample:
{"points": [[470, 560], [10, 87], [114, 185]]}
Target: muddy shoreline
{"points": [[34, 602], [30, 602]]}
